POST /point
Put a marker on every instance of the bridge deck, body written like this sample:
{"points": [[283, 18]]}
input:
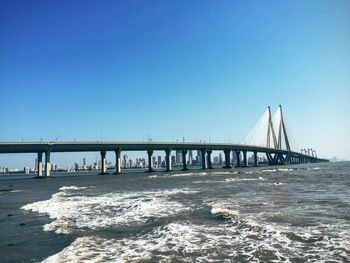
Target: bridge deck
{"points": [[91, 146]]}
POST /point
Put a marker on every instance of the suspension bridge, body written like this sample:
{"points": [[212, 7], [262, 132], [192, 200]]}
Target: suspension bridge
{"points": [[270, 136]]}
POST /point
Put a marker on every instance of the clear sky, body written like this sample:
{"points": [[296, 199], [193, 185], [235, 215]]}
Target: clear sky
{"points": [[129, 70]]}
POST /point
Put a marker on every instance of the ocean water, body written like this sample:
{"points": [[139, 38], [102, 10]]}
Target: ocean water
{"points": [[297, 213]]}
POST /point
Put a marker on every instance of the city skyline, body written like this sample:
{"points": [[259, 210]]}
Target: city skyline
{"points": [[172, 70], [158, 161]]}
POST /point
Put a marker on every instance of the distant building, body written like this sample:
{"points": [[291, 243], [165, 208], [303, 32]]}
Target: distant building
{"points": [[216, 160], [220, 159], [178, 157], [199, 157], [125, 161], [190, 157]]}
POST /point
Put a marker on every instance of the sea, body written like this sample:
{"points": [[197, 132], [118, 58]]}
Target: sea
{"points": [[291, 213]]}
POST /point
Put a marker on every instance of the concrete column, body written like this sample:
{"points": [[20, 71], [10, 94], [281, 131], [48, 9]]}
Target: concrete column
{"points": [[150, 162], [103, 162], [245, 159], [47, 164], [184, 164], [238, 153], [256, 161], [40, 164], [209, 159], [227, 153], [168, 159], [204, 160], [118, 164]]}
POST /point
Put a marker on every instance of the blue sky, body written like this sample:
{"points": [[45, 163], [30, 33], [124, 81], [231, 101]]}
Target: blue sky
{"points": [[126, 70]]}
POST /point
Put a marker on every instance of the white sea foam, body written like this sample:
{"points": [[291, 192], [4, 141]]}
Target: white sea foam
{"points": [[260, 235], [285, 169], [73, 187], [16, 191], [72, 211], [172, 242], [242, 237], [278, 183], [245, 240], [245, 179], [269, 170]]}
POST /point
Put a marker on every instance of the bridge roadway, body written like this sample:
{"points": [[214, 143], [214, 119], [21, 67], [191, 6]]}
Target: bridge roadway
{"points": [[274, 156]]}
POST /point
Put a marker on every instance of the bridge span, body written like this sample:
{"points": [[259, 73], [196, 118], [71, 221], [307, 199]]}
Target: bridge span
{"points": [[274, 156], [269, 136]]}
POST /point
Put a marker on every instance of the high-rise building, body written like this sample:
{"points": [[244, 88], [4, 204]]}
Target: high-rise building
{"points": [[220, 159], [125, 161], [178, 156], [216, 160], [190, 157], [159, 161], [199, 157]]}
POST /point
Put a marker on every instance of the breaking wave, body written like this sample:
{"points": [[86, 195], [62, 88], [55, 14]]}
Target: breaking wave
{"points": [[73, 211]]}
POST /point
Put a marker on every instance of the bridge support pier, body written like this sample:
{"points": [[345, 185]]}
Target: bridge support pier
{"points": [[204, 160], [103, 163], [118, 164], [184, 164], [238, 158], [47, 164], [245, 159], [209, 159], [168, 159], [227, 153], [150, 162], [40, 164], [256, 161]]}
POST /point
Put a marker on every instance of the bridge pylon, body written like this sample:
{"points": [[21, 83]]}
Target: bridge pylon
{"points": [[270, 131]]}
